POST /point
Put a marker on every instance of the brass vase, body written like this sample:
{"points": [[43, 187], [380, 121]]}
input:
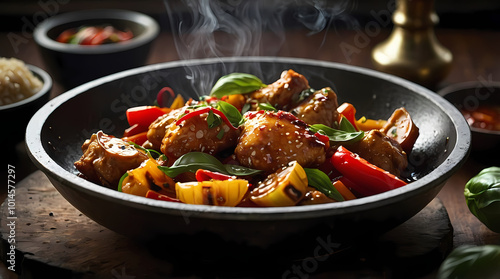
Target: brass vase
{"points": [[412, 51]]}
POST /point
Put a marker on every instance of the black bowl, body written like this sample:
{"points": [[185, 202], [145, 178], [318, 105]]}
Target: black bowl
{"points": [[72, 65], [57, 131], [17, 115], [469, 96]]}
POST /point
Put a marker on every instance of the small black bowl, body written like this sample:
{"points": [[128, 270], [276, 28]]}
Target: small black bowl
{"points": [[72, 65], [17, 115], [468, 97]]}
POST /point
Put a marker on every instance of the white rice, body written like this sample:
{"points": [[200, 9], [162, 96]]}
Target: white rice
{"points": [[17, 82]]}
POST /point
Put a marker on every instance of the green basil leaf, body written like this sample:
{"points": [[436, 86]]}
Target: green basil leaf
{"points": [[231, 112], [346, 126], [246, 108], [240, 170], [322, 183], [193, 161], [148, 152], [121, 181], [213, 120], [482, 195], [337, 135], [267, 106], [236, 83], [469, 261], [306, 93]]}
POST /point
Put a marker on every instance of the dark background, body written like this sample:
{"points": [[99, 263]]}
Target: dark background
{"points": [[483, 14]]}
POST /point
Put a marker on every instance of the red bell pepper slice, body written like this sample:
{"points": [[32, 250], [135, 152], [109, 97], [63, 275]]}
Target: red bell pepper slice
{"points": [[144, 115], [349, 112], [139, 138], [324, 139], [367, 179], [150, 194], [206, 175], [65, 36], [134, 130], [205, 110], [88, 34]]}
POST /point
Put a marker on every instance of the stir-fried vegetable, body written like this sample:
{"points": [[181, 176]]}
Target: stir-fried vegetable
{"points": [[213, 192], [482, 194], [365, 178], [346, 132], [365, 124], [471, 262], [348, 111], [321, 181], [144, 178], [285, 187], [193, 161], [236, 83], [94, 35], [144, 115]]}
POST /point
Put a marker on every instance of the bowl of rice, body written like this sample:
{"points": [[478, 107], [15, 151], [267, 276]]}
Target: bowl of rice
{"points": [[23, 90]]}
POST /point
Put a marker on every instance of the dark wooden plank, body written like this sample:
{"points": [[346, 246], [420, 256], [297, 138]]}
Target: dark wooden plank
{"points": [[52, 237]]}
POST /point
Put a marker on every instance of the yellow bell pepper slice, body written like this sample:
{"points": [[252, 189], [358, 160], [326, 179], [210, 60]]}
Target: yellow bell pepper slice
{"points": [[214, 192], [178, 102], [285, 187], [365, 124], [140, 180]]}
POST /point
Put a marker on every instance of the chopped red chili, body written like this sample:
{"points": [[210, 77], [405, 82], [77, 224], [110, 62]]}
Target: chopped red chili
{"points": [[205, 110]]}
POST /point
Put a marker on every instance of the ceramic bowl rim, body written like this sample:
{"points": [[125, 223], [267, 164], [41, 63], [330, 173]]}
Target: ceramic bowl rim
{"points": [[436, 177], [151, 31], [469, 85], [46, 87]]}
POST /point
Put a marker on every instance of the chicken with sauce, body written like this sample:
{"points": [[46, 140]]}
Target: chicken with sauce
{"points": [[282, 94], [106, 158], [280, 144], [382, 151], [319, 108], [270, 140], [194, 134]]}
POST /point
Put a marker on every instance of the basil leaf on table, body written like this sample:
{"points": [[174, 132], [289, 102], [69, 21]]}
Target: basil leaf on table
{"points": [[467, 261], [193, 161], [322, 183], [482, 195], [236, 83]]}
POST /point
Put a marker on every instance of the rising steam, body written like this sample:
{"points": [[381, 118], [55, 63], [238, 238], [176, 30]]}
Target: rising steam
{"points": [[222, 28]]}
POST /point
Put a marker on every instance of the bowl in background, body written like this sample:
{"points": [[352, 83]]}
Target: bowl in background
{"points": [[468, 97], [55, 137], [17, 115], [72, 64]]}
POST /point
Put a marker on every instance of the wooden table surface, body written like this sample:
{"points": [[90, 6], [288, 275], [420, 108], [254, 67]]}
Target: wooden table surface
{"points": [[476, 56]]}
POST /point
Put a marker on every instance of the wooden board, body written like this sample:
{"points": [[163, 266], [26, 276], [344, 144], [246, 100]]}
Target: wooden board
{"points": [[53, 238]]}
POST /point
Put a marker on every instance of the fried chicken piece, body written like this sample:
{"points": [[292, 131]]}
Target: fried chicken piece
{"points": [[284, 93], [270, 140], [106, 158], [157, 129], [319, 108], [194, 134], [382, 151]]}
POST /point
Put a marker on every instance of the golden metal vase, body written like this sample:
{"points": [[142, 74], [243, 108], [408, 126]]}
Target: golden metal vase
{"points": [[412, 51]]}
